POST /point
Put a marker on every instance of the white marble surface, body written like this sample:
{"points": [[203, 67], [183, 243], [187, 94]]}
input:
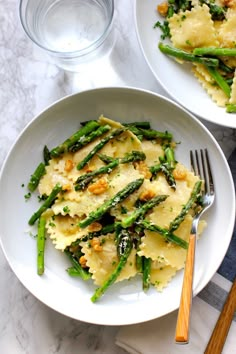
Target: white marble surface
{"points": [[28, 84]]}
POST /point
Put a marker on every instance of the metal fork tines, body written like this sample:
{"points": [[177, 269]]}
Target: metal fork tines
{"points": [[200, 164]]}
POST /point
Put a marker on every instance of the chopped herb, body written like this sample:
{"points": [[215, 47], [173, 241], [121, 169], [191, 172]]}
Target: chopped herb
{"points": [[51, 224], [42, 197], [164, 28], [66, 209], [27, 196], [123, 210]]}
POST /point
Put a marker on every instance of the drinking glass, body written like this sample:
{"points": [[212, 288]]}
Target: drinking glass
{"points": [[71, 31]]}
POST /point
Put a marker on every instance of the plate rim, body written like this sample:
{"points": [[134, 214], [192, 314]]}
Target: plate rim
{"points": [[164, 86], [90, 91]]}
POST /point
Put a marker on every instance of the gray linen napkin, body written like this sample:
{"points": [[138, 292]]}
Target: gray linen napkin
{"points": [[157, 336]]}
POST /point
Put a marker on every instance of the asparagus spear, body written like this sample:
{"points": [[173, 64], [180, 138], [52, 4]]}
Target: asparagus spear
{"points": [[105, 158], [73, 272], [133, 156], [117, 198], [107, 229], [48, 202], [181, 54], [146, 273], [41, 245], [150, 134], [193, 198], [167, 234], [227, 69], [145, 125], [36, 176], [84, 180], [98, 147], [231, 108], [80, 134], [89, 138], [129, 157], [139, 259], [220, 81], [166, 166], [84, 274], [126, 250], [163, 167], [46, 155], [216, 51], [170, 157], [139, 213]]}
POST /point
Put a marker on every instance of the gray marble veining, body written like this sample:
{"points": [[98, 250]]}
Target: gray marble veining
{"points": [[29, 82]]}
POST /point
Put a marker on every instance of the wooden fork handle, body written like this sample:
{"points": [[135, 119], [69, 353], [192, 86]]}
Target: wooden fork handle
{"points": [[218, 337], [183, 320]]}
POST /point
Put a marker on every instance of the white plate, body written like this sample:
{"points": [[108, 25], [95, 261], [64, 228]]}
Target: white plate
{"points": [[176, 79], [124, 303]]}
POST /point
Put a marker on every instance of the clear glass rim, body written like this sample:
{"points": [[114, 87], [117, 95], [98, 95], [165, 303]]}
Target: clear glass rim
{"points": [[74, 53]]}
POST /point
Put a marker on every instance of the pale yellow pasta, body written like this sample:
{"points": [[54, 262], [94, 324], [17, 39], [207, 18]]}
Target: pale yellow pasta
{"points": [[213, 90], [152, 151], [192, 29], [63, 230], [102, 263], [227, 31], [72, 206], [51, 178], [154, 246], [161, 275]]}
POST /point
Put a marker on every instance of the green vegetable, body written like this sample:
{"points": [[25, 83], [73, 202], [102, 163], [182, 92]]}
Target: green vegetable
{"points": [[167, 234], [83, 273], [145, 125], [73, 272], [217, 12], [150, 134], [216, 51], [48, 202], [164, 27], [129, 157], [181, 54], [84, 180], [36, 176], [41, 237], [126, 248], [231, 108], [140, 212], [192, 200], [117, 198], [46, 155], [133, 156], [107, 229], [76, 137], [220, 81], [227, 69], [105, 158], [98, 147], [146, 273], [170, 157], [164, 168], [89, 138]]}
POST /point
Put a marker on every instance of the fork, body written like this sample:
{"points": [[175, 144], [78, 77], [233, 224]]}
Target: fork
{"points": [[200, 165]]}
